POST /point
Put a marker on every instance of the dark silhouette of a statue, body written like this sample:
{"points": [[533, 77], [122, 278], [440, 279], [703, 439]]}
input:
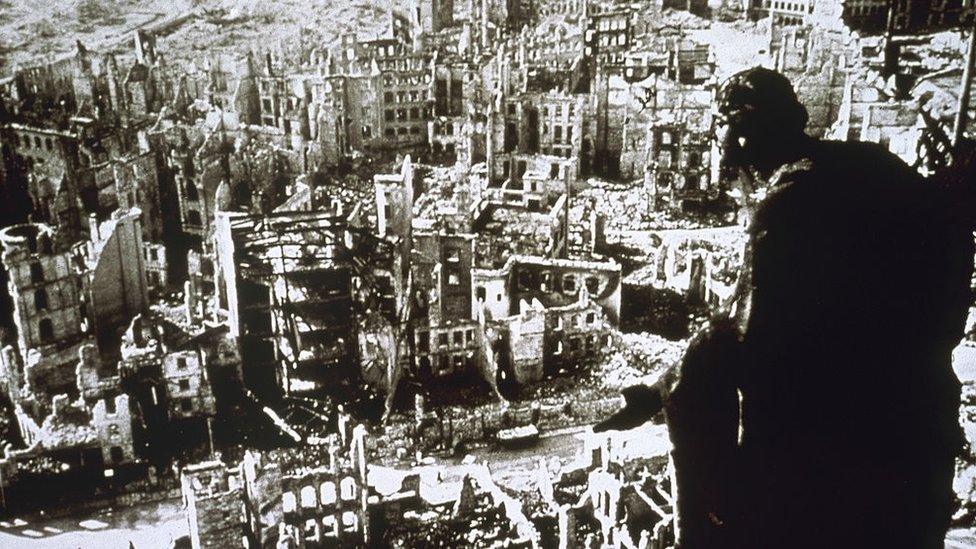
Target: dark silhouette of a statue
{"points": [[820, 408]]}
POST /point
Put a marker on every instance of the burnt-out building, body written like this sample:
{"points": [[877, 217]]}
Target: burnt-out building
{"points": [[295, 288], [678, 175], [905, 16], [447, 337], [312, 497], [558, 283], [286, 284], [548, 314]]}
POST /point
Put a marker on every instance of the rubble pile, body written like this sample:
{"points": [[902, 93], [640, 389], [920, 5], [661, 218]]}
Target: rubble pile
{"points": [[624, 206], [628, 360], [637, 358], [68, 426]]}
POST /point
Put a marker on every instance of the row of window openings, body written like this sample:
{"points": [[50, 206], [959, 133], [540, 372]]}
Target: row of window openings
{"points": [[390, 132], [864, 9], [612, 24], [569, 283], [791, 6], [268, 85], [618, 40], [160, 254], [390, 80], [576, 344], [404, 97], [401, 65], [424, 339], [568, 109], [267, 107], [444, 362], [406, 115], [38, 143], [789, 20], [329, 523], [444, 129], [691, 181], [447, 148], [692, 159], [581, 320], [481, 294], [327, 495], [386, 51], [45, 326]]}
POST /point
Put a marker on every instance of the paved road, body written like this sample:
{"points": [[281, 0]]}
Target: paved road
{"points": [[566, 446], [150, 526], [961, 539], [153, 526]]}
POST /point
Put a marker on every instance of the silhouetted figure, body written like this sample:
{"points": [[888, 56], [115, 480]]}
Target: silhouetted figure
{"points": [[821, 409]]}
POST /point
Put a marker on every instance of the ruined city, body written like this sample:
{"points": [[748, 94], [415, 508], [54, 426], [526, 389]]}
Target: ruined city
{"points": [[366, 274]]}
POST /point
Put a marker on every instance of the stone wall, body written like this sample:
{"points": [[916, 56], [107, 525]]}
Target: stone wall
{"points": [[815, 61], [482, 424], [212, 498]]}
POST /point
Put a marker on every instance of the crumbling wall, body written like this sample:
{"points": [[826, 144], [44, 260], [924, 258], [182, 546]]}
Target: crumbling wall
{"points": [[380, 363], [558, 282], [483, 423], [815, 61], [212, 499], [574, 334], [262, 496], [91, 384], [335, 498], [527, 332], [43, 287], [112, 423], [118, 285], [52, 371], [187, 386], [137, 186]]}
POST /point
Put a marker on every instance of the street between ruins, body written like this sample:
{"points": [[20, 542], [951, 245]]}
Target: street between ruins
{"points": [[155, 525]]}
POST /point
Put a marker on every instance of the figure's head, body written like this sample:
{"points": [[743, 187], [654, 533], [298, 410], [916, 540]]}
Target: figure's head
{"points": [[756, 115]]}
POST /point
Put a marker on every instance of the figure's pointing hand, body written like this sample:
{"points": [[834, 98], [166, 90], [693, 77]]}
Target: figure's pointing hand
{"points": [[641, 403]]}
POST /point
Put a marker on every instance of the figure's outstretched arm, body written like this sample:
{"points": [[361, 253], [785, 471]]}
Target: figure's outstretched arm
{"points": [[641, 404]]}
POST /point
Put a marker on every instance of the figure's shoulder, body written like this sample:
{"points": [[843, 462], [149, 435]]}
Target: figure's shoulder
{"points": [[826, 170], [855, 149], [830, 166], [860, 161]]}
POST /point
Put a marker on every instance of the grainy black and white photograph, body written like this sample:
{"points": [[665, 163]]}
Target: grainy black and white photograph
{"points": [[507, 274]]}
